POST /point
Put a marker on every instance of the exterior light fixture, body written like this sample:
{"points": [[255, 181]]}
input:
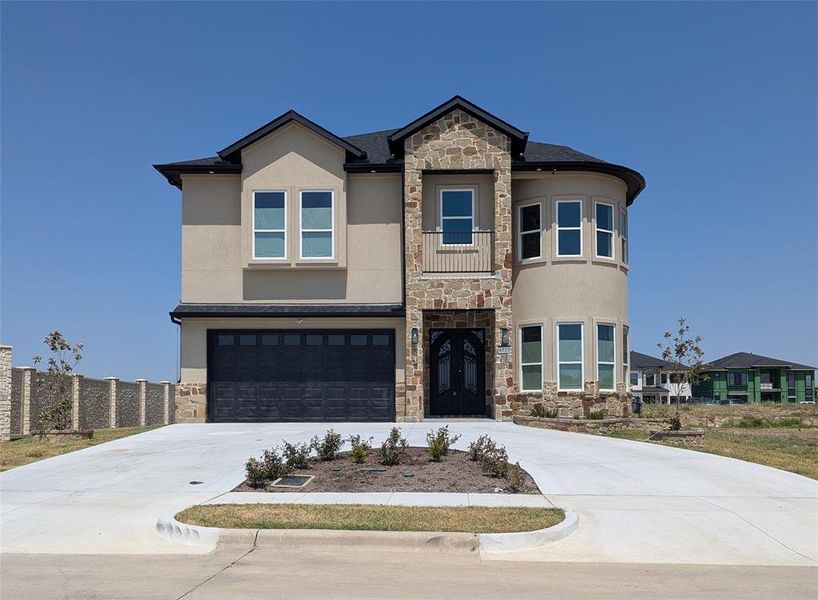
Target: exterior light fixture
{"points": [[504, 341], [415, 335]]}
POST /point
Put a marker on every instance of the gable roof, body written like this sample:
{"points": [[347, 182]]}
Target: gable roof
{"points": [[644, 361], [233, 152], [747, 360], [518, 137]]}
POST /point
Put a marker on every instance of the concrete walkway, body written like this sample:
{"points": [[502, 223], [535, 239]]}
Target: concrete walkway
{"points": [[638, 503]]}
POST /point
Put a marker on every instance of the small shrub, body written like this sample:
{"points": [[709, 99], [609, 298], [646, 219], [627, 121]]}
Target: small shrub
{"points": [[539, 411], [393, 447], [479, 447], [675, 423], [328, 447], [495, 462], [515, 478], [360, 448], [438, 443], [297, 456], [595, 415], [274, 465], [789, 422], [256, 472]]}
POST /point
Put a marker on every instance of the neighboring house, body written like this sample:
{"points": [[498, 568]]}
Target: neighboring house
{"points": [[450, 267], [654, 381], [744, 377]]}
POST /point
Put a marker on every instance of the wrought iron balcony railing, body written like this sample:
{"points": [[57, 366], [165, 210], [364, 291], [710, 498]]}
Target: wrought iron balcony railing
{"points": [[458, 251]]}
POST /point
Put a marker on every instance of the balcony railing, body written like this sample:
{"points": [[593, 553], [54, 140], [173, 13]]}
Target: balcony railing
{"points": [[458, 251]]}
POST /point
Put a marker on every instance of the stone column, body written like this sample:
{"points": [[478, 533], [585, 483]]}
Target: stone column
{"points": [[166, 401], [143, 392], [29, 373], [112, 401], [5, 393], [75, 401]]}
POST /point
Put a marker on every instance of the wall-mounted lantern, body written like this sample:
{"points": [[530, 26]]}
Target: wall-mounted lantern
{"points": [[415, 335], [504, 338]]}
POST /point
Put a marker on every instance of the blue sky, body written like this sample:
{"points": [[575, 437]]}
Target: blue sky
{"points": [[716, 104]]}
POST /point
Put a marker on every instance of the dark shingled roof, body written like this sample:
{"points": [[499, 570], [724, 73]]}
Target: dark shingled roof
{"points": [[643, 361], [287, 310], [653, 389], [747, 360], [375, 145]]}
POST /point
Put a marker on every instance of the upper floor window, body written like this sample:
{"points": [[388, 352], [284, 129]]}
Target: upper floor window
{"points": [[634, 378], [569, 228], [605, 353], [663, 379], [317, 221], [529, 227], [808, 380], [457, 215], [650, 379], [739, 379], [569, 356], [604, 230], [270, 224], [623, 234], [531, 357]]}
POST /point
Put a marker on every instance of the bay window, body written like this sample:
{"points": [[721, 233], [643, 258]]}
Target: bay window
{"points": [[626, 353], [531, 358], [569, 228], [570, 375], [604, 230], [530, 239], [623, 234], [606, 356]]}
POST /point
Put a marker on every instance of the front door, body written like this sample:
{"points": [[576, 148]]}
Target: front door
{"points": [[457, 363]]}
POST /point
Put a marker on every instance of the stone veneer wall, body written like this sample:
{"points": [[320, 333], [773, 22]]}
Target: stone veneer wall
{"points": [[127, 410], [5, 393], [455, 141], [571, 404], [94, 403], [191, 403], [154, 403]]}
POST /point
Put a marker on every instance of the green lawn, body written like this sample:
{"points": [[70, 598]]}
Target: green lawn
{"points": [[27, 450], [470, 519]]}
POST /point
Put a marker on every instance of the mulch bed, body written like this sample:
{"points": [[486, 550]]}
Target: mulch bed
{"points": [[456, 473]]}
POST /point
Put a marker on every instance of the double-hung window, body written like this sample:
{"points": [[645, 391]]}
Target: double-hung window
{"points": [[529, 227], [634, 378], [650, 379], [269, 224], [569, 228], [531, 357], [736, 378], [570, 375], [604, 230], [457, 215], [317, 224], [626, 352], [623, 234], [606, 356]]}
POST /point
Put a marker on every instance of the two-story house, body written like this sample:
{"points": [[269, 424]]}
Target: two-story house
{"points": [[654, 381], [450, 267]]}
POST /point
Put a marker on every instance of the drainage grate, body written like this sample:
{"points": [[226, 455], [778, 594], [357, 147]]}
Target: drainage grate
{"points": [[293, 481]]}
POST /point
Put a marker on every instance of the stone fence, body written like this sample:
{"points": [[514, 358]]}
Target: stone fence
{"points": [[97, 403]]}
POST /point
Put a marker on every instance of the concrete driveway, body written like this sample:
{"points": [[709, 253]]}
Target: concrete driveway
{"points": [[637, 503]]}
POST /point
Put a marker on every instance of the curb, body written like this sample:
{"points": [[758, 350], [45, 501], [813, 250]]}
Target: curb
{"points": [[293, 539]]}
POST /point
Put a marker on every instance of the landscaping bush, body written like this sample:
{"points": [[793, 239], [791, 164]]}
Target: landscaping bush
{"points": [[595, 415], [515, 478], [495, 462], [539, 411], [256, 472], [393, 447], [297, 456], [675, 423], [328, 447], [360, 448], [438, 443], [479, 447], [274, 465]]}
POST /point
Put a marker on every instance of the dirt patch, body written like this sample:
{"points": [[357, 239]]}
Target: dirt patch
{"points": [[456, 473]]}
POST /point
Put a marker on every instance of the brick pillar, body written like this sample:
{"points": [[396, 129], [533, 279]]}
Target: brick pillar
{"points": [[25, 401], [75, 401], [166, 401], [112, 401], [143, 391], [5, 393]]}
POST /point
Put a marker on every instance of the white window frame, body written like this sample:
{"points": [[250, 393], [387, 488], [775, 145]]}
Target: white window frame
{"points": [[558, 228], [286, 233], [599, 362], [571, 362], [301, 229], [623, 235], [542, 352], [441, 218], [521, 233], [598, 229], [626, 358]]}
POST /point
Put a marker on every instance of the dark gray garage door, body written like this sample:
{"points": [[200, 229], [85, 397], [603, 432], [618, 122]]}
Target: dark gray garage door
{"points": [[301, 375]]}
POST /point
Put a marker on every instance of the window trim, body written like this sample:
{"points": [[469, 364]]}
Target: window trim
{"points": [[626, 359], [542, 356], [254, 230], [623, 235], [611, 363], [301, 228], [571, 362], [598, 229], [558, 228], [521, 233], [440, 217]]}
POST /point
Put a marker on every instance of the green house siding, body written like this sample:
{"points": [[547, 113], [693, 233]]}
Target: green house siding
{"points": [[715, 386]]}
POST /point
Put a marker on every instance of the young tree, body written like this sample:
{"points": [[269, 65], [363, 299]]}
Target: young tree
{"points": [[60, 365], [684, 353]]}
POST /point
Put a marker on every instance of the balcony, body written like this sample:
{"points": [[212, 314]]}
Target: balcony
{"points": [[458, 251]]}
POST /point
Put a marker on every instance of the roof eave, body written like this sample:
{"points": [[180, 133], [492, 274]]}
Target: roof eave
{"points": [[173, 172], [633, 179]]}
